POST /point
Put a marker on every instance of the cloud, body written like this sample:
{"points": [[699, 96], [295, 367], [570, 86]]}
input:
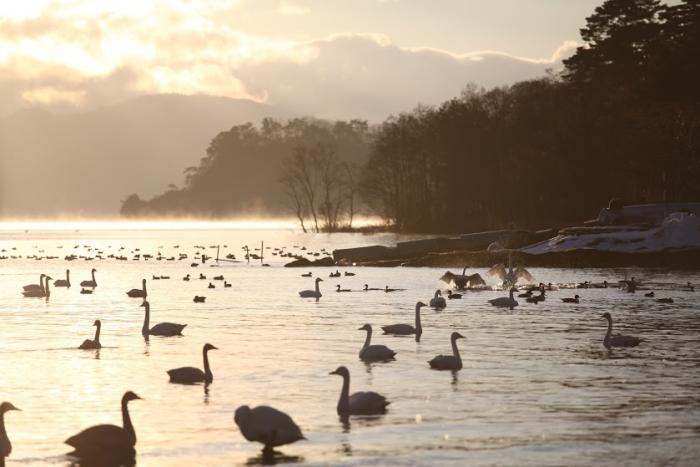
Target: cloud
{"points": [[290, 9]]}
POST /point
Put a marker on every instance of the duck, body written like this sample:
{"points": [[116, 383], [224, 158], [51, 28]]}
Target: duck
{"points": [[367, 288], [349, 274], [374, 352], [359, 403], [406, 329], [202, 277], [267, 425], [199, 299], [570, 300], [610, 341], [536, 298], [335, 274], [95, 343], [186, 278], [527, 294], [160, 329], [92, 282], [218, 278], [453, 296], [690, 287], [211, 286], [107, 441], [85, 291], [307, 274], [227, 284], [191, 375], [338, 289], [39, 293], [312, 293], [665, 300], [39, 286], [139, 293], [449, 362], [505, 302], [63, 282], [438, 301], [155, 278], [649, 294], [5, 445], [387, 289]]}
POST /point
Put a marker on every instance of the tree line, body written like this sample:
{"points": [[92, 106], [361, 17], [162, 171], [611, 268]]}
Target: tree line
{"points": [[621, 119]]}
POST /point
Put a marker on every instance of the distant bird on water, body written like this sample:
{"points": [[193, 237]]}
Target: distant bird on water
{"points": [[267, 425], [95, 343], [438, 301], [39, 293], [610, 341], [92, 282], [505, 302], [312, 293], [39, 286], [191, 375], [570, 300], [406, 329], [139, 293], [63, 282], [107, 442]]}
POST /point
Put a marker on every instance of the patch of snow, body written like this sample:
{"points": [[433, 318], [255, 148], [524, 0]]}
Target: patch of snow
{"points": [[678, 231]]}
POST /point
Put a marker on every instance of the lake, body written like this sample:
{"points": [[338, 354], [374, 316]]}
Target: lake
{"points": [[537, 387]]}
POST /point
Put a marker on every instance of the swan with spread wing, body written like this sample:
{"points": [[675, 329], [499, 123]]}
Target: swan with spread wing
{"points": [[462, 281], [510, 276]]}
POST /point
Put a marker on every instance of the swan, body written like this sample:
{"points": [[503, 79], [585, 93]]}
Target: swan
{"points": [[139, 293], [570, 300], [39, 286], [359, 403], [191, 375], [63, 282], [338, 289], [312, 293], [374, 352], [107, 441], [95, 343], [449, 362], [406, 329], [5, 445], [90, 283], [505, 302], [160, 329], [438, 301], [462, 281], [267, 425], [45, 292], [611, 341], [510, 277]]}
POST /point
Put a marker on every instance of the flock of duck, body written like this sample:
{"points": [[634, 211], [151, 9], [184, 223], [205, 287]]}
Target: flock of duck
{"points": [[267, 425]]}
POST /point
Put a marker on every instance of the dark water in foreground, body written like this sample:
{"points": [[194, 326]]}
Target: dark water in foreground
{"points": [[537, 387]]}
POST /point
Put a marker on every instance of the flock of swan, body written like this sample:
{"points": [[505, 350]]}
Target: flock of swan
{"points": [[265, 424]]}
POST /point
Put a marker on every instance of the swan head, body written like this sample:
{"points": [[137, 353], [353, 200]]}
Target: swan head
{"points": [[420, 304], [318, 279], [341, 370], [48, 278], [241, 415], [208, 347], [94, 270], [145, 304], [456, 335], [6, 407], [438, 293], [366, 327], [576, 296], [130, 396], [97, 323], [607, 316], [143, 281]]}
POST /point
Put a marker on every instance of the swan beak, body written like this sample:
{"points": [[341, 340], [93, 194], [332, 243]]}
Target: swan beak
{"points": [[333, 373], [214, 348]]}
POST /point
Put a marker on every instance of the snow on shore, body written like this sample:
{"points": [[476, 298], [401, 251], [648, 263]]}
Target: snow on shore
{"points": [[678, 231]]}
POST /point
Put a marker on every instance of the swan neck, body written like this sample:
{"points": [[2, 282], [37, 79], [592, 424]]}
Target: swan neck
{"points": [[344, 401], [126, 420], [368, 339], [455, 350], [419, 328], [93, 278], [146, 319], [607, 334], [207, 371], [97, 333]]}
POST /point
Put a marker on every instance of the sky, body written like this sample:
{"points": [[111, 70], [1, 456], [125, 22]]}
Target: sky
{"points": [[330, 58]]}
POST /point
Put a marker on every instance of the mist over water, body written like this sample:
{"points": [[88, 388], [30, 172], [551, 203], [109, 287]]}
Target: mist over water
{"points": [[537, 387]]}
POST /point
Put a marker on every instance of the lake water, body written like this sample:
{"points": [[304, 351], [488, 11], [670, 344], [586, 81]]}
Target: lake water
{"points": [[537, 387]]}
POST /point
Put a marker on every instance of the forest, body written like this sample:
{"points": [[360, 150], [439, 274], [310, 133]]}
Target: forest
{"points": [[621, 119]]}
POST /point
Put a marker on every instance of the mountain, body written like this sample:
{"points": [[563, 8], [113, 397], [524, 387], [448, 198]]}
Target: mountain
{"points": [[85, 163]]}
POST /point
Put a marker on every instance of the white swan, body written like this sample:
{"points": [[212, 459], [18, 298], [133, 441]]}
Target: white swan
{"points": [[312, 293], [374, 352], [462, 281], [449, 362], [267, 425], [406, 329], [90, 283], [510, 277], [139, 293], [360, 403], [160, 329], [63, 282], [505, 302], [438, 301]]}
